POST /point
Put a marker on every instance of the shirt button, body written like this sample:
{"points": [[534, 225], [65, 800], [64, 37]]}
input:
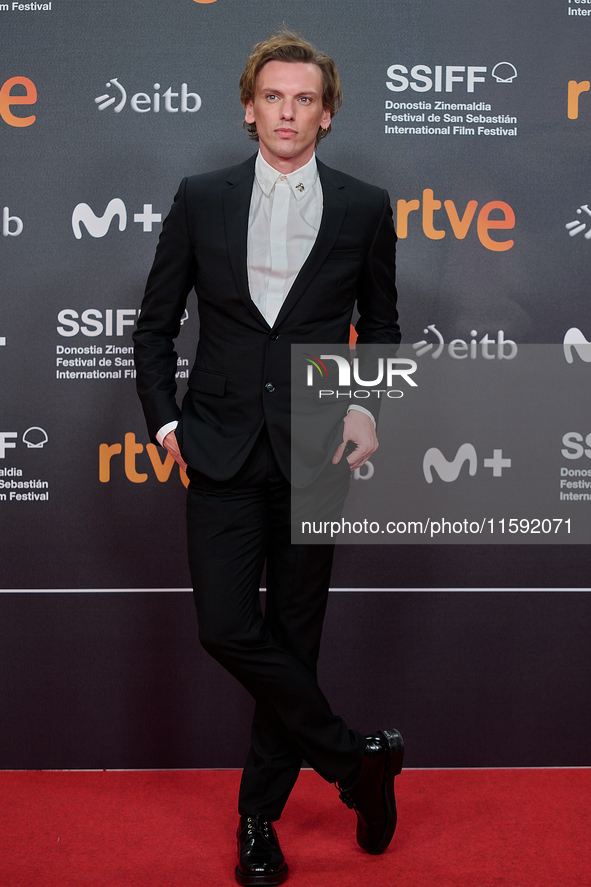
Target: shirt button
{"points": [[270, 387]]}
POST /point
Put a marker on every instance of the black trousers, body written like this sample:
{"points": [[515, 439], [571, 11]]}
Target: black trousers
{"points": [[233, 527]]}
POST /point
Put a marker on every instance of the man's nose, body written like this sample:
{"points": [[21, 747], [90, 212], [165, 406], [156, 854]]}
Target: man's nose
{"points": [[287, 110]]}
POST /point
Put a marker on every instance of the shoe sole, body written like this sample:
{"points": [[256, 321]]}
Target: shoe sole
{"points": [[391, 770], [261, 880]]}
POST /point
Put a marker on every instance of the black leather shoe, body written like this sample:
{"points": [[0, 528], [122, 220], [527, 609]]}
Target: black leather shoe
{"points": [[372, 795], [260, 860]]}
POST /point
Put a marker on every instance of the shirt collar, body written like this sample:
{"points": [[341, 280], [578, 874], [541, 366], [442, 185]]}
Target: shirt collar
{"points": [[300, 181]]}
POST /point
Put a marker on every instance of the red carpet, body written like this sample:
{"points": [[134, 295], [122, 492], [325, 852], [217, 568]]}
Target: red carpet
{"points": [[471, 828]]}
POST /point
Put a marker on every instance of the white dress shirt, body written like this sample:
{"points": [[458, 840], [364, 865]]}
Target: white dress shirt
{"points": [[284, 218], [283, 222]]}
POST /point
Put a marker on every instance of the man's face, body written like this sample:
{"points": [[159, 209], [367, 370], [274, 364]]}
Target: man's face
{"points": [[287, 109]]}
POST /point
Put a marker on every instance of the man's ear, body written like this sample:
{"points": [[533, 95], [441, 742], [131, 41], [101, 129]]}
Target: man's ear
{"points": [[326, 118], [249, 111]]}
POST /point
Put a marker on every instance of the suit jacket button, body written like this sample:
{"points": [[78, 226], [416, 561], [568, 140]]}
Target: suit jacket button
{"points": [[270, 387], [273, 337]]}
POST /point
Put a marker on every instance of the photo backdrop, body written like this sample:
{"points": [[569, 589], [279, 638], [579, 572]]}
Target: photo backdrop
{"points": [[476, 118]]}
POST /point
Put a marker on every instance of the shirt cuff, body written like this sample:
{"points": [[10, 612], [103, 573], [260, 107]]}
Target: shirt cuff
{"points": [[354, 406], [166, 429]]}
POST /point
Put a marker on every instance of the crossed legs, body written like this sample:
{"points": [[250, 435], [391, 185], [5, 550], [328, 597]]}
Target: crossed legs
{"points": [[233, 527]]}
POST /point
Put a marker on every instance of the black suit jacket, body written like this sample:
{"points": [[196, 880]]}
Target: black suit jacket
{"points": [[241, 375]]}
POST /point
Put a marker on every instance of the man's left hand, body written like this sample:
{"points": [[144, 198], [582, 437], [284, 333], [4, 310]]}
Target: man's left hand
{"points": [[360, 430]]}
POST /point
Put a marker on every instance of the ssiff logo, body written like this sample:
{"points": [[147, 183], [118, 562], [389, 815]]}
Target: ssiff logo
{"points": [[34, 437], [440, 78]]}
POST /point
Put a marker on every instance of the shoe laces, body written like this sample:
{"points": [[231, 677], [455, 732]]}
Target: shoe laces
{"points": [[346, 797], [258, 824]]}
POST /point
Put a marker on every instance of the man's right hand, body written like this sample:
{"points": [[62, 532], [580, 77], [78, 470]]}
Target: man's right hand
{"points": [[170, 443]]}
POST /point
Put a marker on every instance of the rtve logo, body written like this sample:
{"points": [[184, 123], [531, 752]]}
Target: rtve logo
{"points": [[183, 101], [131, 449], [97, 226], [574, 340], [26, 95], [449, 471], [504, 219], [574, 92], [422, 78]]}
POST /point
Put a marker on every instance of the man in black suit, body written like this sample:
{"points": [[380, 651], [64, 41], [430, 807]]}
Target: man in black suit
{"points": [[279, 250]]}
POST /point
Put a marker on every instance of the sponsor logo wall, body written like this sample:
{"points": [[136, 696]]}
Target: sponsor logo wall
{"points": [[476, 120], [492, 216]]}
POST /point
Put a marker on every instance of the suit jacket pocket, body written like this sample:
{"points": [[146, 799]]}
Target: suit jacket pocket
{"points": [[207, 382]]}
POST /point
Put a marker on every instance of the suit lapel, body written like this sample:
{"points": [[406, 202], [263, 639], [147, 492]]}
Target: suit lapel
{"points": [[334, 208], [236, 198]]}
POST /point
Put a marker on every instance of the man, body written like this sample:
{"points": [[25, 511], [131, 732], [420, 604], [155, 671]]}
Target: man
{"points": [[279, 250]]}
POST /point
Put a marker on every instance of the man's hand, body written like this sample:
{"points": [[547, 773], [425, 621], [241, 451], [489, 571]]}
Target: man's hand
{"points": [[360, 430], [170, 443]]}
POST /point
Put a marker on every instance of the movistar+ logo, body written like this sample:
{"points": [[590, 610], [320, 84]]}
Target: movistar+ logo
{"points": [[449, 470], [97, 226], [574, 340]]}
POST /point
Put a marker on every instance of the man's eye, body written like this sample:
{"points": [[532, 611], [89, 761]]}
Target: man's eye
{"points": [[271, 96]]}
